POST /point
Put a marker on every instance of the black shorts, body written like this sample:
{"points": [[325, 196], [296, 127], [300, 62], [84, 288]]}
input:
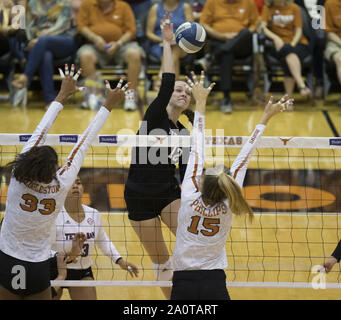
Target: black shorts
{"points": [[199, 285], [72, 274], [23, 277], [141, 207]]}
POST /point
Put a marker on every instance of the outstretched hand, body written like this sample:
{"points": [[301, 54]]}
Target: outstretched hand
{"points": [[117, 95], [167, 28], [69, 83], [130, 267], [76, 249], [199, 92], [284, 104]]}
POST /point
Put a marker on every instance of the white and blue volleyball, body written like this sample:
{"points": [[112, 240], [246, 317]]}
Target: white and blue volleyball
{"points": [[190, 37]]}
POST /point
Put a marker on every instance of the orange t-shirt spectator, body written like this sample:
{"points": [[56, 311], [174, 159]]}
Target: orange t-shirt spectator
{"points": [[333, 16], [283, 21], [109, 25], [224, 16]]}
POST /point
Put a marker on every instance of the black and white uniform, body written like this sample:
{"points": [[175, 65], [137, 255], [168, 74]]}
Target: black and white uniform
{"points": [[151, 183], [199, 256], [92, 227], [31, 210]]}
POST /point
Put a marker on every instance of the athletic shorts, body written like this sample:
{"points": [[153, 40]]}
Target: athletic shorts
{"points": [[199, 285], [23, 277], [72, 274], [142, 207]]}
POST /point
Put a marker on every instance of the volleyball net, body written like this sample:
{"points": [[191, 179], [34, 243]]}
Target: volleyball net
{"points": [[292, 184]]}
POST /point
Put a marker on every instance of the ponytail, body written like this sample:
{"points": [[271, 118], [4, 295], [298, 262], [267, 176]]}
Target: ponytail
{"points": [[233, 192], [218, 186]]}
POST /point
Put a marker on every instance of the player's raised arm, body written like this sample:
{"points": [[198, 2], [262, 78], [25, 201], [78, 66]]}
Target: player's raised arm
{"points": [[68, 173], [68, 88], [196, 160], [239, 166], [157, 108]]}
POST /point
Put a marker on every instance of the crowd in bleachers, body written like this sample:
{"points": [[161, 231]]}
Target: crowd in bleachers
{"points": [[294, 35]]}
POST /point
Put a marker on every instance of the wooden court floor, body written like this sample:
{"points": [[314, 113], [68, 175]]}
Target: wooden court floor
{"points": [[290, 251]]}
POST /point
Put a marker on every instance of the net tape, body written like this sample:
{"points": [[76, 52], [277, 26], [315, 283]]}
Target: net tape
{"points": [[179, 141]]}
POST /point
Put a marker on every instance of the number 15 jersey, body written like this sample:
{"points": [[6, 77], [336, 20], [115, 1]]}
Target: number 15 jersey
{"points": [[202, 230]]}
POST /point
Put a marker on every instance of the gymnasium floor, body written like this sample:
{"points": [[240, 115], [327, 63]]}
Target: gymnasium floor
{"points": [[290, 242]]}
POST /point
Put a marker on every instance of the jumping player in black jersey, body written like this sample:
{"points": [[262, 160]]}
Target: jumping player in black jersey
{"points": [[152, 191]]}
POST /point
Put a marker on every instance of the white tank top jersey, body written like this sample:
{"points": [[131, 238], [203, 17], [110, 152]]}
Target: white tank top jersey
{"points": [[203, 230], [92, 227], [31, 208]]}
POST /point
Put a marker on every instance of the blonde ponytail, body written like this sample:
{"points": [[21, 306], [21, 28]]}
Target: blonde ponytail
{"points": [[233, 192]]}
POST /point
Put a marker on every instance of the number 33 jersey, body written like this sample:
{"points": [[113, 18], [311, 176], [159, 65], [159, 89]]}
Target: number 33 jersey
{"points": [[32, 207], [92, 227]]}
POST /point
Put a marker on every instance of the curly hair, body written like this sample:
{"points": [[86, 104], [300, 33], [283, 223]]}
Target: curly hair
{"points": [[39, 164]]}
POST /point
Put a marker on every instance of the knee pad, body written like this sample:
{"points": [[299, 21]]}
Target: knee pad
{"points": [[163, 272]]}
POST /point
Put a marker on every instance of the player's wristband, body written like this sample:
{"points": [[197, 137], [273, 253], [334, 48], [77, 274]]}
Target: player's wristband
{"points": [[118, 260]]}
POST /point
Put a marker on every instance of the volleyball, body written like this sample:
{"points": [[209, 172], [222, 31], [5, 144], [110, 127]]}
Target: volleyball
{"points": [[190, 37]]}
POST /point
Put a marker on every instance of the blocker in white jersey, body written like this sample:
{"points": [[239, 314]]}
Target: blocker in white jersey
{"points": [[76, 217], [92, 227], [208, 200], [36, 194]]}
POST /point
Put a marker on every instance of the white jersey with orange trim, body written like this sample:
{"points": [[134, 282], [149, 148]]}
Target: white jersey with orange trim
{"points": [[92, 227], [202, 230], [31, 208]]}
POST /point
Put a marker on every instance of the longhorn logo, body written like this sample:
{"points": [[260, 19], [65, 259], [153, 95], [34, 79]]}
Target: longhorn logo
{"points": [[160, 139], [285, 140]]}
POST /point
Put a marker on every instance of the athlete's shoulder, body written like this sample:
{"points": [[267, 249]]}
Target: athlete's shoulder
{"points": [[90, 210]]}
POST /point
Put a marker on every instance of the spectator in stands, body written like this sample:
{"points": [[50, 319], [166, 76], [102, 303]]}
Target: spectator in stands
{"points": [[318, 42], [140, 9], [181, 12], [109, 27], [333, 29], [282, 23], [50, 33], [197, 6], [229, 24]]}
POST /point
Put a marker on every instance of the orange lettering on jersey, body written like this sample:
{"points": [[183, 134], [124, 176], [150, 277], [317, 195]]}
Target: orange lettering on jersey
{"points": [[42, 189]]}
